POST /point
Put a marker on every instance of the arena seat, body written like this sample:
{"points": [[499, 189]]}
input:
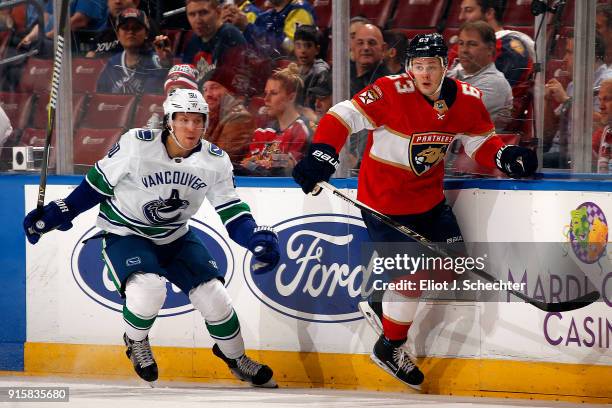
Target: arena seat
{"points": [[452, 19], [90, 145], [39, 114], [146, 107], [36, 76], [85, 73], [378, 11], [323, 11], [518, 13], [417, 13], [105, 111]]}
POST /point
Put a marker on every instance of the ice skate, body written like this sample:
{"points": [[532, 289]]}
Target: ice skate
{"points": [[397, 362], [139, 352], [372, 312], [245, 369]]}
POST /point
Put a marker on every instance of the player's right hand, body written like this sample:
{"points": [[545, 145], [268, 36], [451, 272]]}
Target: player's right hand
{"points": [[53, 215], [319, 163]]}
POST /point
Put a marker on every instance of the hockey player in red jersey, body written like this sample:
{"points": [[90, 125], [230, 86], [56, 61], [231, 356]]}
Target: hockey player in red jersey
{"points": [[412, 118]]}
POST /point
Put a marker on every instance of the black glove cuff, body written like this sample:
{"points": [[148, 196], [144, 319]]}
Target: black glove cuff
{"points": [[324, 153]]}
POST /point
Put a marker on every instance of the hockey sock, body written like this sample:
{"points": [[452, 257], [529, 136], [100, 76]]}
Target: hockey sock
{"points": [[395, 330], [144, 296], [398, 314], [137, 327], [226, 333], [213, 302]]}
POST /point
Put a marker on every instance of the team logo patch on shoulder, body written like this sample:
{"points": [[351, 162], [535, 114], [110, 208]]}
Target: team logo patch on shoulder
{"points": [[215, 150], [369, 96], [144, 134], [427, 150]]}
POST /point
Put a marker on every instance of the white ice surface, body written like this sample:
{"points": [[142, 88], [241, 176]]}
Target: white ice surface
{"points": [[92, 393]]}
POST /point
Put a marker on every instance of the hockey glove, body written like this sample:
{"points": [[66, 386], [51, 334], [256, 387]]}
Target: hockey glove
{"points": [[516, 161], [264, 246], [53, 215], [319, 164]]}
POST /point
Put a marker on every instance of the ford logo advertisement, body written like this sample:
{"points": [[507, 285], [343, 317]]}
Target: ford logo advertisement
{"points": [[91, 275], [312, 281]]}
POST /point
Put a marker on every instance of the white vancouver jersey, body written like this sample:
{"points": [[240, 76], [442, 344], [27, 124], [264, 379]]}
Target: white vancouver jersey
{"points": [[153, 195]]}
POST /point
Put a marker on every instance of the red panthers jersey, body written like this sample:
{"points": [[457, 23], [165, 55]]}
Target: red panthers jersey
{"points": [[402, 168]]}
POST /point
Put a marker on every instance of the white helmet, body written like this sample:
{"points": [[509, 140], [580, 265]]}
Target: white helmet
{"points": [[184, 101]]}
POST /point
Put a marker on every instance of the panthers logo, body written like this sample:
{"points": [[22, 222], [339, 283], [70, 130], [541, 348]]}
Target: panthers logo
{"points": [[165, 211], [430, 156], [427, 150]]}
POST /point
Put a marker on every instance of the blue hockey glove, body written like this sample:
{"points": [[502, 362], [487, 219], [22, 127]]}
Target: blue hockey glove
{"points": [[53, 215], [264, 246], [319, 163], [516, 161]]}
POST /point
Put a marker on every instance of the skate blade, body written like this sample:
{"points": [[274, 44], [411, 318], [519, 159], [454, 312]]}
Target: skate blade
{"points": [[371, 317], [152, 384], [270, 384], [388, 370]]}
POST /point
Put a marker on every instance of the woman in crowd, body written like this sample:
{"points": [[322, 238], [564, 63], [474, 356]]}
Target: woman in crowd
{"points": [[276, 148]]}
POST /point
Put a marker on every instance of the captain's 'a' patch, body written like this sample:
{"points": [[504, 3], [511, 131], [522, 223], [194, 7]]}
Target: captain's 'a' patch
{"points": [[370, 95]]}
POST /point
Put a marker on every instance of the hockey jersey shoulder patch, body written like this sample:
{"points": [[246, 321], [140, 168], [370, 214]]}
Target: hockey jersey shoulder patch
{"points": [[370, 95], [145, 135], [215, 150]]}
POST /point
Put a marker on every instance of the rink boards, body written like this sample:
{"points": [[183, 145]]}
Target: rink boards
{"points": [[62, 316]]}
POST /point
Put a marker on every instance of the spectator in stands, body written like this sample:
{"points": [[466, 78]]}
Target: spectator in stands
{"points": [[322, 94], [396, 51], [180, 76], [138, 68], [84, 15], [312, 69], [274, 29], [515, 50], [602, 135], [369, 52], [557, 121], [603, 25], [240, 14], [106, 43], [214, 42], [275, 149], [476, 67], [354, 24], [230, 125]]}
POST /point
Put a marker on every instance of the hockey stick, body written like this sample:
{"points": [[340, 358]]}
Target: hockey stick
{"points": [[57, 70], [564, 306]]}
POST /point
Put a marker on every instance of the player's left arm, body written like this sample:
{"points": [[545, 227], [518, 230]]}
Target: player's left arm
{"points": [[483, 145], [236, 216]]}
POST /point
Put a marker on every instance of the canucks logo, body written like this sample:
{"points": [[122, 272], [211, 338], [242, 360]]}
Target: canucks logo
{"points": [[427, 150], [164, 211], [588, 232]]}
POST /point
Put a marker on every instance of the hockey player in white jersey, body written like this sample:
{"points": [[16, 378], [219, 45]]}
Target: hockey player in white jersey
{"points": [[148, 186]]}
